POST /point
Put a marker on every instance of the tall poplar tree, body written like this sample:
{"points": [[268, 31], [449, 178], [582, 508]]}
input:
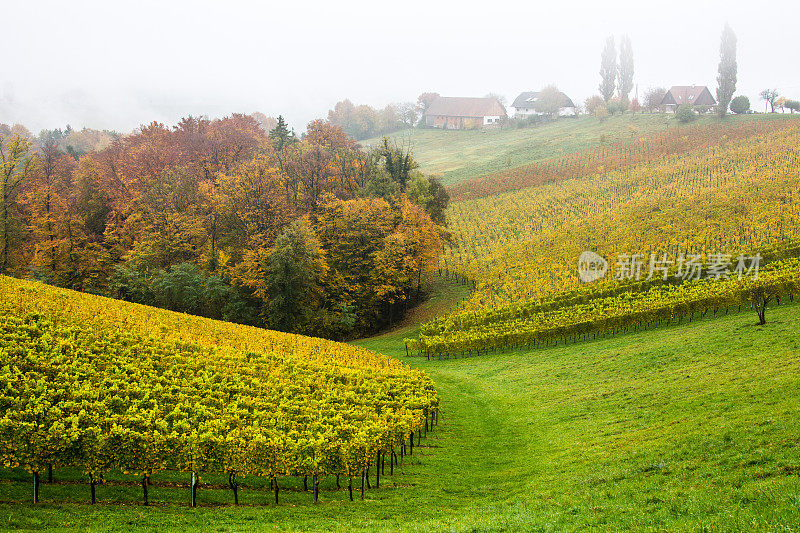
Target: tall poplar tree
{"points": [[608, 69], [625, 72], [726, 77]]}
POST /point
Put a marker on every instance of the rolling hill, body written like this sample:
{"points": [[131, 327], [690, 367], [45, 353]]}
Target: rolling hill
{"points": [[682, 417], [458, 156], [681, 428]]}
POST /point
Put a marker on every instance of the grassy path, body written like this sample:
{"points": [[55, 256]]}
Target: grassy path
{"points": [[677, 428]]}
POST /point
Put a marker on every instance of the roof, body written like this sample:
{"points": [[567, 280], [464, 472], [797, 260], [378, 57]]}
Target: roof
{"points": [[453, 106], [527, 100], [691, 94]]}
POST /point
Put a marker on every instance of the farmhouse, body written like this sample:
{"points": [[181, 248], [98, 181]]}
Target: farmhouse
{"points": [[525, 105], [455, 113], [696, 95]]}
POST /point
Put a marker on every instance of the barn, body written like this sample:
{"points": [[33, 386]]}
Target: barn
{"points": [[695, 95], [457, 113]]}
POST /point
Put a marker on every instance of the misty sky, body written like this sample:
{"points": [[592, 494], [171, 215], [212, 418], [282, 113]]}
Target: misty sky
{"points": [[118, 64]]}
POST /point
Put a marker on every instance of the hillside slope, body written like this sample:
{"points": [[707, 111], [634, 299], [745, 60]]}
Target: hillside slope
{"points": [[103, 387], [680, 428], [736, 196], [458, 156]]}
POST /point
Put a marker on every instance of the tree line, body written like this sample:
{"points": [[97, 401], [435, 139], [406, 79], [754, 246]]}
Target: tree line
{"points": [[363, 121], [224, 219]]}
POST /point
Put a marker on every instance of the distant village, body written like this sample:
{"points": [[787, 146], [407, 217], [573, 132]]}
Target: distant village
{"points": [[617, 94], [461, 113]]}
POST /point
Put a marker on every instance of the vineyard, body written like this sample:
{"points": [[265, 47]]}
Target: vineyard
{"points": [[100, 385], [611, 156], [735, 192], [460, 157], [681, 422], [580, 316]]}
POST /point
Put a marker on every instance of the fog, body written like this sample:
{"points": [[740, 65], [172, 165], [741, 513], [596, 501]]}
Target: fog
{"points": [[119, 64]]}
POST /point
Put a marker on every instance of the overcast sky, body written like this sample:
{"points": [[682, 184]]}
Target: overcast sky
{"points": [[118, 64]]}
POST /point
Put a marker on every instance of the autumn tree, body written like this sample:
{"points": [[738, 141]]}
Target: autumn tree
{"points": [[254, 203], [350, 166], [313, 168], [343, 115], [18, 166], [726, 71], [431, 195], [608, 69], [424, 101], [294, 272], [592, 103], [267, 123], [200, 216], [653, 98], [423, 238], [408, 114], [352, 233], [47, 199]]}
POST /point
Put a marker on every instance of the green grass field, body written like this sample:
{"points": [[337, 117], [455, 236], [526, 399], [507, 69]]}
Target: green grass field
{"points": [[689, 427], [461, 155]]}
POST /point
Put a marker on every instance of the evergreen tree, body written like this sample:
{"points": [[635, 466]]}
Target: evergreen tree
{"points": [[726, 77], [281, 135], [625, 73], [398, 161], [608, 69]]}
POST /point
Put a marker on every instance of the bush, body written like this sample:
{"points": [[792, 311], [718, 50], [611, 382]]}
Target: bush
{"points": [[617, 106], [592, 103], [685, 113], [740, 104], [524, 122], [184, 288]]}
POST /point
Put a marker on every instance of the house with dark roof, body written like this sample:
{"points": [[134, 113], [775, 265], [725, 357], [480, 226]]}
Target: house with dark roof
{"points": [[525, 105], [456, 113], [694, 95]]}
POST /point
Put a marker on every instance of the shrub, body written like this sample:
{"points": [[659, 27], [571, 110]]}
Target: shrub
{"points": [[592, 103], [740, 104], [685, 113], [617, 106]]}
